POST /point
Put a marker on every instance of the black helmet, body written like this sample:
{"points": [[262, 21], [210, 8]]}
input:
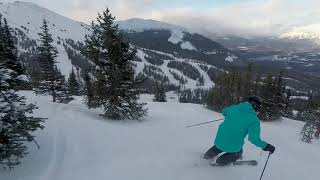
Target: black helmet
{"points": [[256, 102]]}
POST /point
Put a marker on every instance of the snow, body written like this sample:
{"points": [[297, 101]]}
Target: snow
{"points": [[78, 144], [300, 97], [295, 112], [176, 36], [64, 63], [28, 15], [187, 45], [310, 32], [191, 84], [231, 58], [140, 65], [243, 48], [211, 53], [31, 16], [309, 65], [140, 25], [23, 78]]}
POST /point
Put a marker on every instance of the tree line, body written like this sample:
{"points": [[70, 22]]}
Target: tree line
{"points": [[234, 87]]}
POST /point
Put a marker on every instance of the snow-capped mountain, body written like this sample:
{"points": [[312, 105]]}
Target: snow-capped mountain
{"points": [[166, 52], [141, 25], [27, 18], [310, 32], [31, 16], [176, 53], [177, 41], [160, 45]]}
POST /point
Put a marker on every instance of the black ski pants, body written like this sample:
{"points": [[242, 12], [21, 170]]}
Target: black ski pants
{"points": [[224, 159]]}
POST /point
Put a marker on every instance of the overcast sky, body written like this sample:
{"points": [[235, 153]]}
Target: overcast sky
{"points": [[268, 17]]}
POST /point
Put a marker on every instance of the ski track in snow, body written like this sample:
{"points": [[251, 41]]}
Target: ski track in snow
{"points": [[78, 144]]}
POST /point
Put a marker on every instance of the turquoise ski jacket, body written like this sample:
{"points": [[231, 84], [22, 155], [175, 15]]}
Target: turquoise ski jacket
{"points": [[240, 120]]}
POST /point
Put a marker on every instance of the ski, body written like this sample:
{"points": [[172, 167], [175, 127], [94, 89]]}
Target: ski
{"points": [[249, 163], [237, 163]]}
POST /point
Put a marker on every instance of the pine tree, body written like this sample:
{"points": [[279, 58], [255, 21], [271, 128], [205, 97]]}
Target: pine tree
{"points": [[257, 85], [210, 99], [312, 118], [200, 81], [160, 93], [16, 120], [73, 84], [52, 82], [247, 89], [89, 91], [81, 82], [62, 91], [309, 129], [112, 55], [267, 87], [217, 97], [275, 102]]}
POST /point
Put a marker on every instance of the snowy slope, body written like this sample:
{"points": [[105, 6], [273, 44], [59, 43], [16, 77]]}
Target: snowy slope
{"points": [[140, 25], [191, 84], [78, 144], [28, 18], [31, 16]]}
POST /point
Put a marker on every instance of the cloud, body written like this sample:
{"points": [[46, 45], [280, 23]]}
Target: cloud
{"points": [[260, 17], [269, 17], [86, 11]]}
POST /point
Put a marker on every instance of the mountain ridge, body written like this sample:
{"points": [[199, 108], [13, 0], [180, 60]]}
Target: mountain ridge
{"points": [[68, 36], [176, 44]]}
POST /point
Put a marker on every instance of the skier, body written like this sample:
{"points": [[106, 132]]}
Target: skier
{"points": [[240, 120]]}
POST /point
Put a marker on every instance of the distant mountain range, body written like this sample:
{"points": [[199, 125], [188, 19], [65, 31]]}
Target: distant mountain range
{"points": [[170, 52], [309, 32]]}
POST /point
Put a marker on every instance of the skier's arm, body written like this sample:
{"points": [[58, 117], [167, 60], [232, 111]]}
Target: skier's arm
{"points": [[254, 135]]}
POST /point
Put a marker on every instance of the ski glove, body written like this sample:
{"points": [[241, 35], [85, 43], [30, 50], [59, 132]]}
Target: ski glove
{"points": [[270, 148]]}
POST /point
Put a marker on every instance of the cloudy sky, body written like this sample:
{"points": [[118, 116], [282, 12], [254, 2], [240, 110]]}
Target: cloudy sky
{"points": [[265, 17]]}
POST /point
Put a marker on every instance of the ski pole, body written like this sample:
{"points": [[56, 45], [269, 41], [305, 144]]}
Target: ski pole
{"points": [[205, 123], [265, 166], [34, 140]]}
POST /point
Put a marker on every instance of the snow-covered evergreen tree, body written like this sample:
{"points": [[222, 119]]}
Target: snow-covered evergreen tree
{"points": [[160, 93], [275, 98], [88, 91], [74, 85], [312, 118], [52, 82], [16, 120], [112, 55], [309, 129]]}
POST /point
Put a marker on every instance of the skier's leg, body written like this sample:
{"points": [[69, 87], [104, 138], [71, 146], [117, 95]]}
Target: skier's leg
{"points": [[212, 152], [229, 158]]}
